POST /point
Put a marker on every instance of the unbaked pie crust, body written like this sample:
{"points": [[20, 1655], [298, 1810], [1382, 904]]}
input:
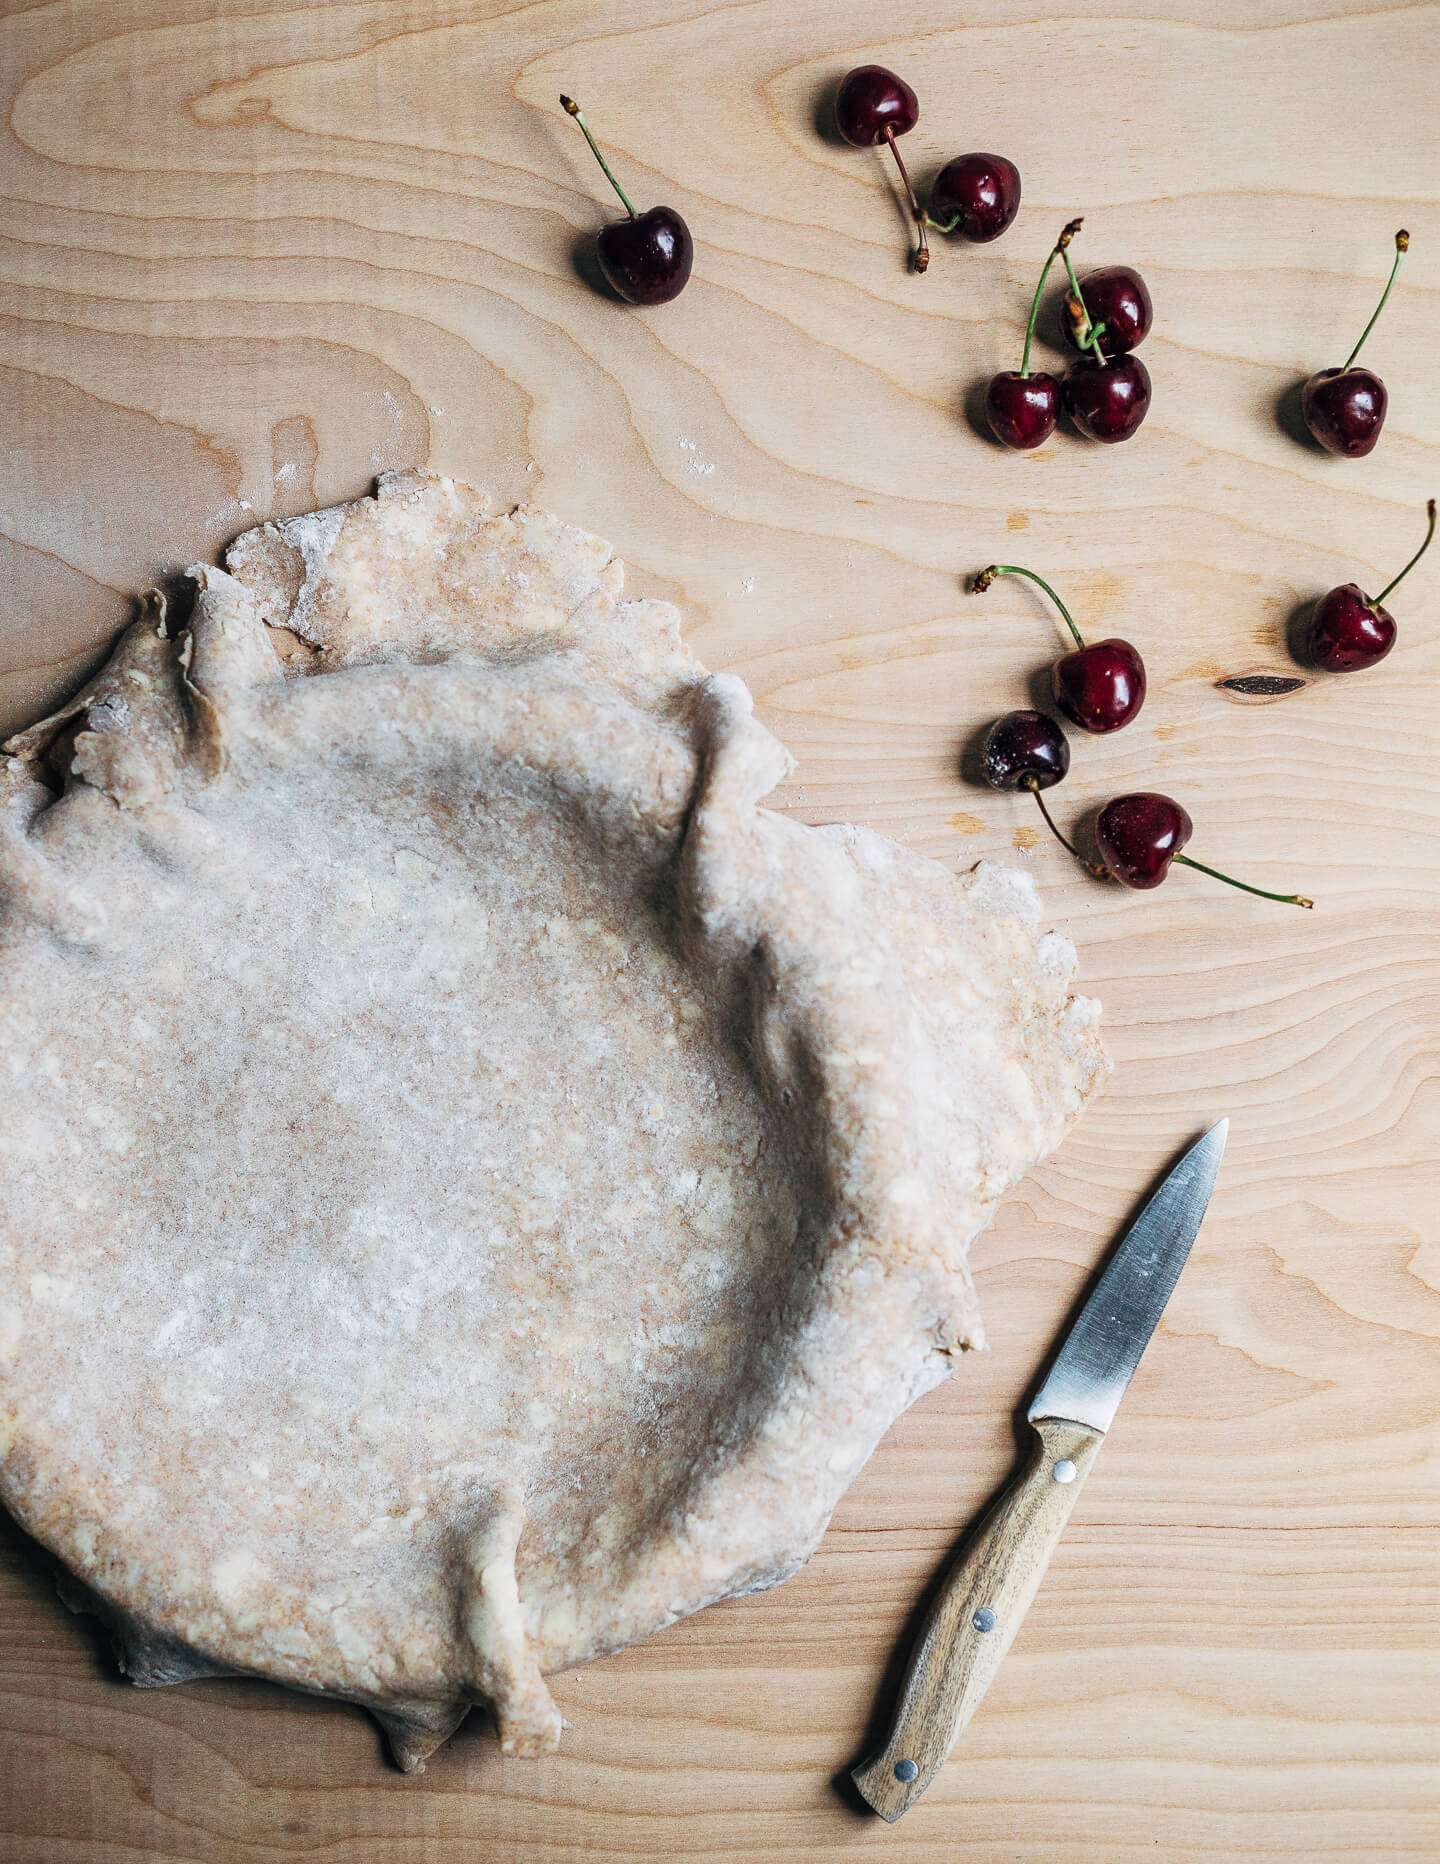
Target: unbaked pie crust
{"points": [[476, 1185]]}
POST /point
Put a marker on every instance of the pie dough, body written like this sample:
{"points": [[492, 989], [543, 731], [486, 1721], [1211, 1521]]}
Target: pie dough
{"points": [[476, 1186]]}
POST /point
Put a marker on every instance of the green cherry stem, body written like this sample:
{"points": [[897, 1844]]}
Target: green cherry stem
{"points": [[570, 104], [1091, 338], [918, 214], [1430, 513], [1067, 234], [1285, 899], [1402, 246], [987, 576]]}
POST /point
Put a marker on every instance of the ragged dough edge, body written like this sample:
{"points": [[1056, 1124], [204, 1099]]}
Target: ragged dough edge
{"points": [[427, 568], [844, 942]]}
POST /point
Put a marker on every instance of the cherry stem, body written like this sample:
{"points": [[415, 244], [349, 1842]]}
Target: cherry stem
{"points": [[570, 104], [1091, 867], [1402, 246], [922, 250], [1067, 234], [987, 576], [1090, 339], [1285, 899], [1430, 513]]}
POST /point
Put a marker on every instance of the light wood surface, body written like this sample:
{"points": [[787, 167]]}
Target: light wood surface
{"points": [[253, 251]]}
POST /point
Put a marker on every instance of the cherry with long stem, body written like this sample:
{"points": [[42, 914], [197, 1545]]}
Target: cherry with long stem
{"points": [[1021, 408], [1140, 838], [645, 258], [1345, 409], [1141, 834], [1349, 630], [1100, 687], [1402, 246]]}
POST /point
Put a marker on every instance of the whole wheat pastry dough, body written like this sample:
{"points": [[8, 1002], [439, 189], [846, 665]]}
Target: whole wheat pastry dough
{"points": [[476, 1186]]}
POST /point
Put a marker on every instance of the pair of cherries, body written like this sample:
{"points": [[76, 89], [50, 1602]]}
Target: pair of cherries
{"points": [[1099, 688], [976, 195], [1107, 393], [1345, 410]]}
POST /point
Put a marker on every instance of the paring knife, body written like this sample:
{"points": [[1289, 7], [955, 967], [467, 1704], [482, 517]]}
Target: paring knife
{"points": [[998, 1572]]}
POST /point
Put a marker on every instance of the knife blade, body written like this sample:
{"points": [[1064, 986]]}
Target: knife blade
{"points": [[986, 1593]]}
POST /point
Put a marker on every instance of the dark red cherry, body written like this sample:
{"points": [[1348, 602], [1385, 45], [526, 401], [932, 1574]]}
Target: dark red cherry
{"points": [[1115, 296], [1108, 400], [872, 101], [1022, 409], [1100, 687], [1345, 408], [874, 106], [646, 258], [976, 196], [1141, 835], [1348, 630], [1025, 750]]}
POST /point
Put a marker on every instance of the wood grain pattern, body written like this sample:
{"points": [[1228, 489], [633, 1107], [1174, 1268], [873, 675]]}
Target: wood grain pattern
{"points": [[253, 251]]}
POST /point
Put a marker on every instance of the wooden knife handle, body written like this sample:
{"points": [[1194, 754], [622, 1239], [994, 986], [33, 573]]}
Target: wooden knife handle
{"points": [[976, 1615]]}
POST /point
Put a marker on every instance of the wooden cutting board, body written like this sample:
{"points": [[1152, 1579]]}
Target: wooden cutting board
{"points": [[255, 251]]}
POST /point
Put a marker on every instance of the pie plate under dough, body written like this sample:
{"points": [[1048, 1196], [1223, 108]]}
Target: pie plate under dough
{"points": [[476, 1186]]}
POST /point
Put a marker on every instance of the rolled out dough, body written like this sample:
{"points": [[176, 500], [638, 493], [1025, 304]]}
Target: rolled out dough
{"points": [[476, 1185]]}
